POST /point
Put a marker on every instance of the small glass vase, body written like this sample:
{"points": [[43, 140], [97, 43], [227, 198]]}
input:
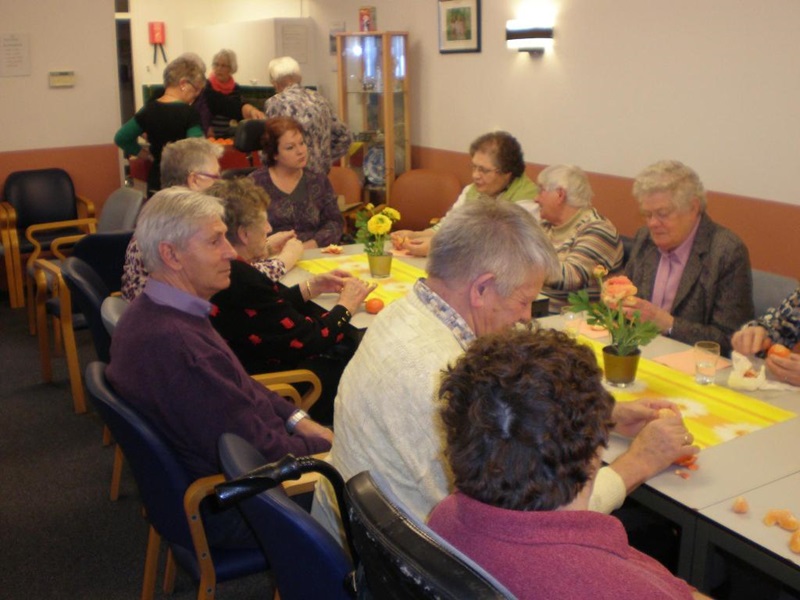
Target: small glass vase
{"points": [[620, 371], [380, 265]]}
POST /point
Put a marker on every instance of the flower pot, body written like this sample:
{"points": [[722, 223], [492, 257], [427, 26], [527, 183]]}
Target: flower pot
{"points": [[620, 371], [380, 265]]}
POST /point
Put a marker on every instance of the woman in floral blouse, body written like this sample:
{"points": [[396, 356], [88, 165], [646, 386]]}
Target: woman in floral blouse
{"points": [[303, 201], [780, 325], [273, 328]]}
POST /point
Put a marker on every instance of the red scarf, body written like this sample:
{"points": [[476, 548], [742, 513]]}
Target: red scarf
{"points": [[222, 88]]}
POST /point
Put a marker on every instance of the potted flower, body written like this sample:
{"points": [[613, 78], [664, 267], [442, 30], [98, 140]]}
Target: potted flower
{"points": [[628, 333], [372, 230]]}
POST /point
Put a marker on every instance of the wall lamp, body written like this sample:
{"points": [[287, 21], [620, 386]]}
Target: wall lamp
{"points": [[523, 36]]}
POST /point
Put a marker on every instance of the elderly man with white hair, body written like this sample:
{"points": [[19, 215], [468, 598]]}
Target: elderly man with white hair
{"points": [[327, 138], [581, 236], [170, 364], [387, 404]]}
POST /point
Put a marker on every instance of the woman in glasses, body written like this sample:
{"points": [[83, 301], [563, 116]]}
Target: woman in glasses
{"points": [[498, 172], [303, 200], [693, 275], [168, 118]]}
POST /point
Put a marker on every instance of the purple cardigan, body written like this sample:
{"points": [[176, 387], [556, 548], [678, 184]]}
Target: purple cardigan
{"points": [[554, 554], [176, 370]]}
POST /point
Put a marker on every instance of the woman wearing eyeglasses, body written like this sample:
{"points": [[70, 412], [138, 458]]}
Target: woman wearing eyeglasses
{"points": [[221, 100], [303, 200], [693, 275], [498, 172], [168, 118]]}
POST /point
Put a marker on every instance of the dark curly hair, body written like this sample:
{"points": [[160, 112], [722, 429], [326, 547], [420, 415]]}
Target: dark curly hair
{"points": [[274, 128], [505, 150], [525, 414]]}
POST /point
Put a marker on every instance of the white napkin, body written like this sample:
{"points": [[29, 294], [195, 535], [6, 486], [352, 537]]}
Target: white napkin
{"points": [[742, 364]]}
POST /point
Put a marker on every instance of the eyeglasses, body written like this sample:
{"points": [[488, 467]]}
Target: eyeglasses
{"points": [[209, 175], [220, 66], [660, 215], [483, 170]]}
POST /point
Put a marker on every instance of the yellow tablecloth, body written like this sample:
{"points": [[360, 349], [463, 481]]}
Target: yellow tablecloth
{"points": [[714, 414], [389, 288]]}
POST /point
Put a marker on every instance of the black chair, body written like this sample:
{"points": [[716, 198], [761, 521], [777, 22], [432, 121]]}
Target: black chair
{"points": [[171, 499], [44, 199], [77, 300], [306, 561], [248, 140], [401, 558], [627, 246]]}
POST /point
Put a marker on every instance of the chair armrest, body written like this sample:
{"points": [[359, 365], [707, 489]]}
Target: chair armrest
{"points": [[66, 240], [304, 485], [88, 206], [294, 376], [287, 391], [90, 226], [39, 267], [8, 216], [195, 494]]}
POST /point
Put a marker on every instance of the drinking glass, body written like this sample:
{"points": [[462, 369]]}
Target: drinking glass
{"points": [[706, 356], [571, 321]]}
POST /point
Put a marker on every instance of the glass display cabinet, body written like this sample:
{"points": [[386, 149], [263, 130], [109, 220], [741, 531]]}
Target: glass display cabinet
{"points": [[373, 101]]}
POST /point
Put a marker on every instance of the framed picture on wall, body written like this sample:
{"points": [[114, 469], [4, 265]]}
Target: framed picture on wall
{"points": [[459, 26]]}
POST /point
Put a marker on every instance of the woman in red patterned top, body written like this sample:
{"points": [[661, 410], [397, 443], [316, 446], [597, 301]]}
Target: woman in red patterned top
{"points": [[271, 327]]}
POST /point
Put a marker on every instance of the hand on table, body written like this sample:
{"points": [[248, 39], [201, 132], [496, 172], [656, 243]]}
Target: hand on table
{"points": [[659, 444], [649, 312], [785, 369], [631, 417], [750, 340]]}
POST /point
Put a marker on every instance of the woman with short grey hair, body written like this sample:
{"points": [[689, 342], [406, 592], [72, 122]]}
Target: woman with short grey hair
{"points": [[581, 236]]}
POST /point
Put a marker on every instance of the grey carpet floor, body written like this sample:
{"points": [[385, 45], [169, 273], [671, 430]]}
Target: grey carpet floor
{"points": [[60, 535]]}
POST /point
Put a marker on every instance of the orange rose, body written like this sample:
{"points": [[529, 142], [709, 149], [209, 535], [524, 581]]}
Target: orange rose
{"points": [[616, 290]]}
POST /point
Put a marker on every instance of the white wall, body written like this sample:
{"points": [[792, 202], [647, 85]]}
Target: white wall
{"points": [[80, 38], [712, 83]]}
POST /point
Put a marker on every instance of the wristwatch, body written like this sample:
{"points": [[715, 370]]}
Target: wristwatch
{"points": [[297, 416]]}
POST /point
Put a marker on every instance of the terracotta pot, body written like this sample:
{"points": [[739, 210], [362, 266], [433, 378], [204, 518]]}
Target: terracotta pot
{"points": [[620, 371], [380, 266]]}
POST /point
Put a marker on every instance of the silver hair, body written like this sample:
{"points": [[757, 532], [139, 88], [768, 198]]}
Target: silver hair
{"points": [[674, 177], [187, 66], [282, 67], [172, 215], [490, 236], [572, 180], [229, 56], [190, 155]]}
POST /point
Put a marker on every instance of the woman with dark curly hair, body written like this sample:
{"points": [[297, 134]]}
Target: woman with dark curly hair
{"points": [[303, 201], [498, 173], [525, 416]]}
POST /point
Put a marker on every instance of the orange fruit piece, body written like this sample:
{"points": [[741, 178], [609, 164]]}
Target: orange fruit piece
{"points": [[778, 350], [794, 542], [687, 461], [782, 517], [374, 306], [740, 505]]}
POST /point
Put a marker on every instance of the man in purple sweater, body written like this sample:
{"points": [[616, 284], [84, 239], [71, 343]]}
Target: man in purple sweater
{"points": [[171, 365], [526, 415]]}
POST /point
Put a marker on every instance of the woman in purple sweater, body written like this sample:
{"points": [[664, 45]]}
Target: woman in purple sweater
{"points": [[525, 416]]}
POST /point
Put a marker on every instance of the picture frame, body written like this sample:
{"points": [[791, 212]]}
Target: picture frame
{"points": [[459, 26]]}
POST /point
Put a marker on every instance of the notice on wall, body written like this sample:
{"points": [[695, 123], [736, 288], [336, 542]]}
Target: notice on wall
{"points": [[292, 40], [15, 55]]}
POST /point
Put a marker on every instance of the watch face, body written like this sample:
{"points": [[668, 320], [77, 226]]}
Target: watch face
{"points": [[375, 165]]}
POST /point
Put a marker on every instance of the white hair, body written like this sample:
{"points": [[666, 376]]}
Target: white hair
{"points": [[283, 67], [674, 177], [572, 180]]}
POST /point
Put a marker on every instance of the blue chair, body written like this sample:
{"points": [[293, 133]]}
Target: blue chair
{"points": [[171, 499], [401, 558], [44, 199], [306, 561], [770, 289], [101, 256]]}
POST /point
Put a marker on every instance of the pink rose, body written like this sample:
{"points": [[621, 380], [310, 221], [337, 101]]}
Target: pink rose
{"points": [[616, 290]]}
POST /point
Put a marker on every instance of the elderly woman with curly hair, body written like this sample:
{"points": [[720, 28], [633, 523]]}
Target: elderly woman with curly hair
{"points": [[526, 416], [271, 327], [693, 275], [498, 173], [303, 200]]}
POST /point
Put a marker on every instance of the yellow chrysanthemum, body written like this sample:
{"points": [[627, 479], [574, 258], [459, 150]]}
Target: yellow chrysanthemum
{"points": [[391, 213], [379, 225], [370, 206]]}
